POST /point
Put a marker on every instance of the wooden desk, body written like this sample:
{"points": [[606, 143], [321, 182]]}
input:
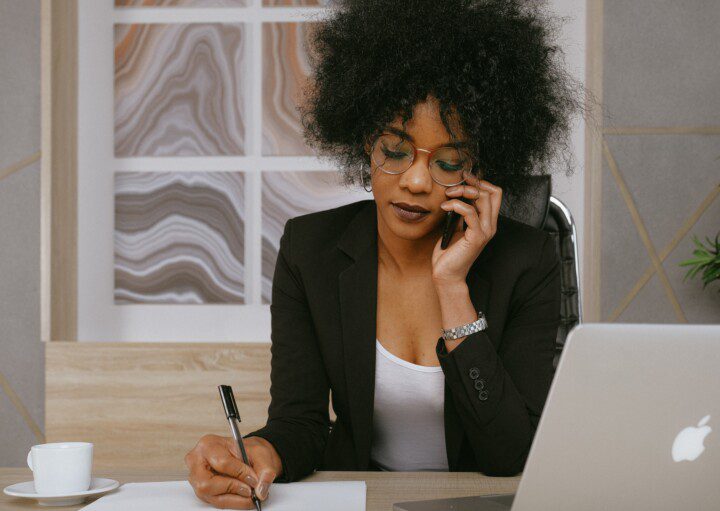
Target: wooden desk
{"points": [[383, 488]]}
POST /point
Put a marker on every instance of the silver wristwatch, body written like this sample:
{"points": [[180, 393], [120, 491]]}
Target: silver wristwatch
{"points": [[463, 330]]}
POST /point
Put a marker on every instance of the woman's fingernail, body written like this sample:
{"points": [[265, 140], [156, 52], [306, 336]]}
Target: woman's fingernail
{"points": [[262, 490], [251, 480], [245, 491]]}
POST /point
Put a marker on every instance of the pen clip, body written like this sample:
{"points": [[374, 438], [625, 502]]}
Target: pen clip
{"points": [[228, 401]]}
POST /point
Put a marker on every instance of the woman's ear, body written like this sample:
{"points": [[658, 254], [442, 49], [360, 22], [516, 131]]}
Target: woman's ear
{"points": [[370, 140], [367, 145]]}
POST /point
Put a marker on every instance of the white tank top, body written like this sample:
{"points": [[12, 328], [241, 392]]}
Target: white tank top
{"points": [[408, 423]]}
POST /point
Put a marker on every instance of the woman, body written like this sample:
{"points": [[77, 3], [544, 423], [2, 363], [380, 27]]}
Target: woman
{"points": [[429, 103]]}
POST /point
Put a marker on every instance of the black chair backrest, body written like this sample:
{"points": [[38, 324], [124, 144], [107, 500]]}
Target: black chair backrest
{"points": [[540, 209]]}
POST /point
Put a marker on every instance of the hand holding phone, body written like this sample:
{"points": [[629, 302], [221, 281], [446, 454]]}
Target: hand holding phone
{"points": [[451, 217], [451, 265]]}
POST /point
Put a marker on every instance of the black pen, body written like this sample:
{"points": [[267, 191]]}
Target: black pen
{"points": [[233, 417]]}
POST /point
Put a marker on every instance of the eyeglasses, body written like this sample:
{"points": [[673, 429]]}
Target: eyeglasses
{"points": [[394, 155]]}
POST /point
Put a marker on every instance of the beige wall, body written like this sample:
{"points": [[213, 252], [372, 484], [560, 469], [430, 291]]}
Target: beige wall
{"points": [[660, 167], [21, 352]]}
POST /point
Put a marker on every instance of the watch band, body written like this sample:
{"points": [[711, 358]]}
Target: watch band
{"points": [[463, 330]]}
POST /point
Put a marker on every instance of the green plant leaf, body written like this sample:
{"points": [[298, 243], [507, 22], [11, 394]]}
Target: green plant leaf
{"points": [[706, 259]]}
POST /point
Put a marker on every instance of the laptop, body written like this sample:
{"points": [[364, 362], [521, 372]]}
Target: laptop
{"points": [[632, 422]]}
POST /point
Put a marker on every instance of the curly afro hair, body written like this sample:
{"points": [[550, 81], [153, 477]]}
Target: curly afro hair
{"points": [[493, 63]]}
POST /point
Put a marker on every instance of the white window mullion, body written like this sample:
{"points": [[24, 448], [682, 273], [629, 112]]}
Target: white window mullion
{"points": [[253, 101], [219, 163], [254, 11]]}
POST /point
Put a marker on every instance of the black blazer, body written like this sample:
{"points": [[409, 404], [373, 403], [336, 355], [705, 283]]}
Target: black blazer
{"points": [[324, 304]]}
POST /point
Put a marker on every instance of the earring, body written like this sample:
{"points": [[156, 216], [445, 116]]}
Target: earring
{"points": [[362, 177]]}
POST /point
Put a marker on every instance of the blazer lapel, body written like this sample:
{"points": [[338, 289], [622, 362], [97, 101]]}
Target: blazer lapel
{"points": [[358, 314], [358, 311]]}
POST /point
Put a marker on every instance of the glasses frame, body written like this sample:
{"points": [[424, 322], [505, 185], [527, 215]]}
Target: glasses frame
{"points": [[415, 151]]}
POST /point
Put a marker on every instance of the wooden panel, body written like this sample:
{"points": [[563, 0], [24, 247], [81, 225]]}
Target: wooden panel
{"points": [[58, 189], [147, 404]]}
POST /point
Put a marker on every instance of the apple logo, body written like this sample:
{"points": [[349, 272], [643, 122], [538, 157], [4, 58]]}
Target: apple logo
{"points": [[688, 444]]}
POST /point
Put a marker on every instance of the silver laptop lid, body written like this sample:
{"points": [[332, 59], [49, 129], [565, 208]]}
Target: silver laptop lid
{"points": [[626, 422]]}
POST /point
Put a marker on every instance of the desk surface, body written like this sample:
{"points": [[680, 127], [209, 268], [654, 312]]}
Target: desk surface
{"points": [[383, 488]]}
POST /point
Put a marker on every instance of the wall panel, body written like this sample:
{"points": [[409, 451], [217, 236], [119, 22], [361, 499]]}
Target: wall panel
{"points": [[146, 404]]}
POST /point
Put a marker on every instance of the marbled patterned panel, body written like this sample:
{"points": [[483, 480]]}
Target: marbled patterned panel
{"points": [[179, 237], [180, 3], [289, 194], [179, 89], [286, 68]]}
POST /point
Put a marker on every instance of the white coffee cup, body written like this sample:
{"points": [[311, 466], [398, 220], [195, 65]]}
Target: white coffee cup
{"points": [[61, 468]]}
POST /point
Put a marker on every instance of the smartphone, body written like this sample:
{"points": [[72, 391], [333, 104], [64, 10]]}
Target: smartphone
{"points": [[449, 225]]}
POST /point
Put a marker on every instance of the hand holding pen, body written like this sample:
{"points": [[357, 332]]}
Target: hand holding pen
{"points": [[233, 417], [219, 476]]}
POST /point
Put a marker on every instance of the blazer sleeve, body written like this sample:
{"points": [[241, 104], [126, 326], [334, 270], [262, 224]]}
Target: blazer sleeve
{"points": [[298, 416], [499, 395]]}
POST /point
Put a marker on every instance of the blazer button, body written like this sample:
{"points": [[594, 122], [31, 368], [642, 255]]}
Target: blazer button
{"points": [[483, 395], [479, 384], [474, 373]]}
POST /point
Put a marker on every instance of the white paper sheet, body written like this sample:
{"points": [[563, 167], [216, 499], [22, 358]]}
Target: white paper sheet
{"points": [[179, 496]]}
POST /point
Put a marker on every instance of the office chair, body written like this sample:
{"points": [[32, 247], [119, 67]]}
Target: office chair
{"points": [[540, 209]]}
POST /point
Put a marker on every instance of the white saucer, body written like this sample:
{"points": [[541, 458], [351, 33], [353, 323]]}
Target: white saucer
{"points": [[98, 486]]}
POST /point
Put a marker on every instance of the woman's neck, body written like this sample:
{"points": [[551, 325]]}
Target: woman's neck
{"points": [[406, 257]]}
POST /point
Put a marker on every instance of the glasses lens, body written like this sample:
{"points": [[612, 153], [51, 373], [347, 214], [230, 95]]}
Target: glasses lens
{"points": [[448, 164], [392, 153]]}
